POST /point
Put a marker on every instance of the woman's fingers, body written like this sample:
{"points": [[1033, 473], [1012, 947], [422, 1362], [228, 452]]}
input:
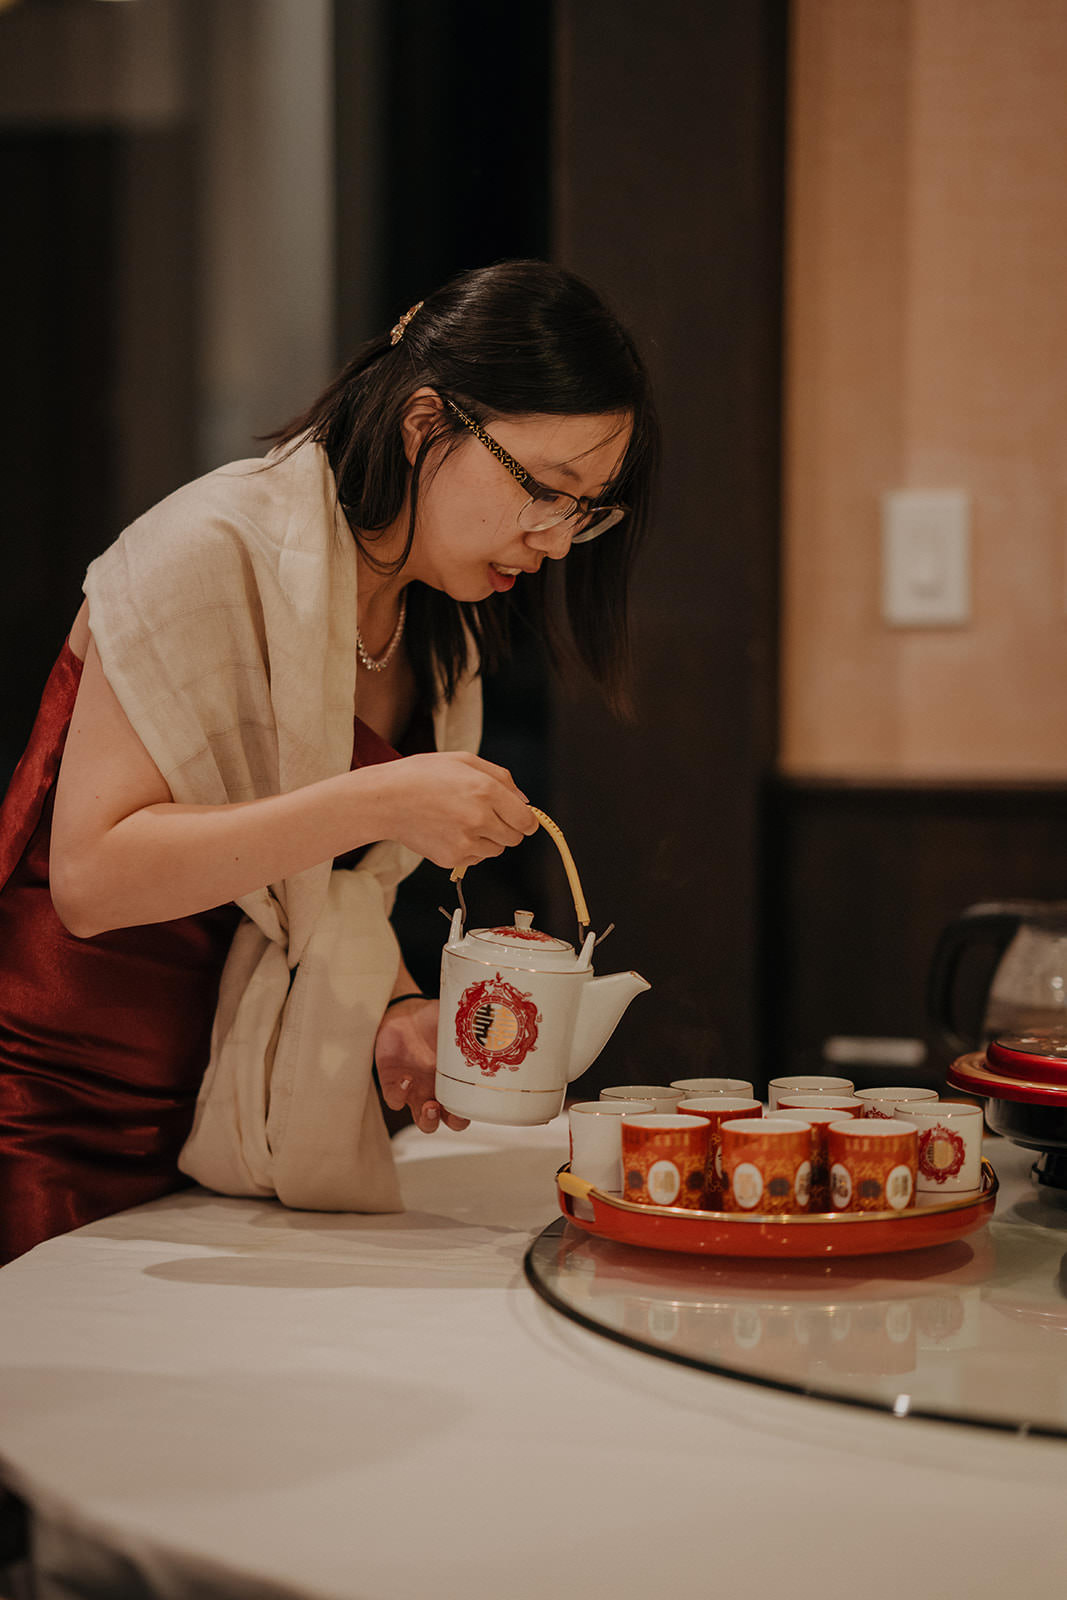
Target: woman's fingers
{"points": [[428, 1114], [515, 814], [432, 1116], [406, 1057], [428, 1117], [394, 1092], [508, 835], [454, 807], [508, 801]]}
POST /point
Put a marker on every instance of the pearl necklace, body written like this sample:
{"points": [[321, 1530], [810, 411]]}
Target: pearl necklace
{"points": [[379, 663]]}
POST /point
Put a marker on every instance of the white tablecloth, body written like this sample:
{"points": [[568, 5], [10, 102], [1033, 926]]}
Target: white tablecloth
{"points": [[219, 1396]]}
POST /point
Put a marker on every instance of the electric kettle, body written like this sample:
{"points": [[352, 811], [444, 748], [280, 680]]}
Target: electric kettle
{"points": [[1012, 958]]}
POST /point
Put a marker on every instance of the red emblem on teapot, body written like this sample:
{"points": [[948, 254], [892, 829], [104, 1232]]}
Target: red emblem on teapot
{"points": [[496, 1025]]}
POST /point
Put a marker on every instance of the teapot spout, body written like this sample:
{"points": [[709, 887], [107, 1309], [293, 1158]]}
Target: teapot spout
{"points": [[603, 1002]]}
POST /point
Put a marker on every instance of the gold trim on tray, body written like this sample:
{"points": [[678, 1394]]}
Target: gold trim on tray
{"points": [[579, 1189]]}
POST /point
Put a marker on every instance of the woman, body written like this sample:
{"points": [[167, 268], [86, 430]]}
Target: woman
{"points": [[275, 675]]}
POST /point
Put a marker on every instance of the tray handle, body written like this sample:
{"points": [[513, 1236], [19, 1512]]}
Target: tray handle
{"points": [[571, 1184]]}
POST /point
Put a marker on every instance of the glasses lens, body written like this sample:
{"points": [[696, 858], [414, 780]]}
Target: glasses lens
{"points": [[546, 511], [549, 510], [597, 523]]}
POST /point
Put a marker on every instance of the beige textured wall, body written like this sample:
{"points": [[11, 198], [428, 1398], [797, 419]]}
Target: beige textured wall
{"points": [[927, 348]]}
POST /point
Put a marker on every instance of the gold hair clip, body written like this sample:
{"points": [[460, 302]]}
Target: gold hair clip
{"points": [[398, 330]]}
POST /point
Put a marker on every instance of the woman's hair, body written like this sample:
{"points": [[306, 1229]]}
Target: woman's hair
{"points": [[509, 340]]}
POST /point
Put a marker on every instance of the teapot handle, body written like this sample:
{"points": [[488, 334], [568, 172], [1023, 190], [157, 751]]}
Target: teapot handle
{"points": [[555, 833]]}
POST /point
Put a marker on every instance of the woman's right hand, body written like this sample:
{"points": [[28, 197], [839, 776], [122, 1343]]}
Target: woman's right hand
{"points": [[452, 807]]}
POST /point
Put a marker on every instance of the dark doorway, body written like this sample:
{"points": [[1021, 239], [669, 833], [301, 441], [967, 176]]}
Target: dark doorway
{"points": [[669, 193], [463, 180]]}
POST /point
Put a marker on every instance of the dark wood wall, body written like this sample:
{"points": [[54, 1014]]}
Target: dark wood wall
{"points": [[863, 879], [669, 197]]}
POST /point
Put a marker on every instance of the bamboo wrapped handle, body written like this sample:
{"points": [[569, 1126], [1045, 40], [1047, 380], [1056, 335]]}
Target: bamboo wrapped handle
{"points": [[570, 1183], [555, 832]]}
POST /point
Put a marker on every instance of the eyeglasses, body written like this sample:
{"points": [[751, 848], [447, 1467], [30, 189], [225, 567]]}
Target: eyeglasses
{"points": [[546, 508]]}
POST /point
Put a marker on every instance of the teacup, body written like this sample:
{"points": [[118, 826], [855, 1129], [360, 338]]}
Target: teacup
{"points": [[766, 1164], [664, 1158], [715, 1109], [596, 1148], [644, 1091], [883, 1102], [950, 1144], [819, 1119], [736, 1086], [872, 1164], [801, 1084], [847, 1104]]}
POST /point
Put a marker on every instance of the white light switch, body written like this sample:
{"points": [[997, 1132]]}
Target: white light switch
{"points": [[926, 578]]}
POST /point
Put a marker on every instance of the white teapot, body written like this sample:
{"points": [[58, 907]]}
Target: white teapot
{"points": [[521, 1016]]}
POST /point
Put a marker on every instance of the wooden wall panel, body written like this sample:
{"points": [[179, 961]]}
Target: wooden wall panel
{"points": [[867, 876], [668, 198]]}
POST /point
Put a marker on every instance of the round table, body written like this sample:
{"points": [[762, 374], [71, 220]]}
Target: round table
{"points": [[210, 1396]]}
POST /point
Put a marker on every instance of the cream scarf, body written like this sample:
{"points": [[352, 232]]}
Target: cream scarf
{"points": [[225, 619]]}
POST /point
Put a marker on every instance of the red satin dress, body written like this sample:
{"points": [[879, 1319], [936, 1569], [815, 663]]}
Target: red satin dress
{"points": [[103, 1041]]}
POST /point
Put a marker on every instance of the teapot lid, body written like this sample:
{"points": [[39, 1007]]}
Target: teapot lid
{"points": [[525, 937]]}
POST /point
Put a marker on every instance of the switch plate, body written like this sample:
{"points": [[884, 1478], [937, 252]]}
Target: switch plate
{"points": [[926, 576]]}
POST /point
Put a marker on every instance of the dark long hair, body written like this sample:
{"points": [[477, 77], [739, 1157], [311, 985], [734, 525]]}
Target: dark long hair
{"points": [[509, 340]]}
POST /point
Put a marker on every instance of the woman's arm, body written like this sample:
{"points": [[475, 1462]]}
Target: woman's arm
{"points": [[124, 854]]}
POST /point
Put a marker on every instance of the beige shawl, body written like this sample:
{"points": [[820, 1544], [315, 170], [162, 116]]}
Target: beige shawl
{"points": [[225, 619]]}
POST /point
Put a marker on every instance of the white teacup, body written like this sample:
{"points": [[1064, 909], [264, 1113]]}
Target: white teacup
{"points": [[950, 1144], [666, 1098], [734, 1086], [800, 1085], [883, 1102], [596, 1151]]}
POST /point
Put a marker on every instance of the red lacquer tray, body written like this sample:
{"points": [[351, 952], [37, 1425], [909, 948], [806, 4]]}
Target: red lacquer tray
{"points": [[824, 1233]]}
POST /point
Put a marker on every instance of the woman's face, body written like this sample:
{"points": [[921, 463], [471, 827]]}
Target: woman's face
{"points": [[468, 541]]}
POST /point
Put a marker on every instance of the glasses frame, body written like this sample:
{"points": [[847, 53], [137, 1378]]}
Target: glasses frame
{"points": [[580, 504]]}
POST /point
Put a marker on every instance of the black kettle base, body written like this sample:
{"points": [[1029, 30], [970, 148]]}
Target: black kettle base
{"points": [[1050, 1169]]}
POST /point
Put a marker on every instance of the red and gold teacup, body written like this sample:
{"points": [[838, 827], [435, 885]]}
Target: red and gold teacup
{"points": [[664, 1159], [819, 1118], [766, 1164], [715, 1109], [849, 1105], [872, 1164]]}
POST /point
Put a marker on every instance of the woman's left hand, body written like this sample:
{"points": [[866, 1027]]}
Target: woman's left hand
{"points": [[405, 1054]]}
